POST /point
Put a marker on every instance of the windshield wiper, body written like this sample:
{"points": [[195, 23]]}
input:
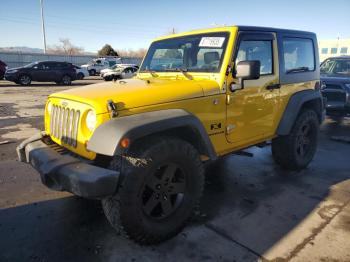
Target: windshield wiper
{"points": [[153, 73], [298, 69], [182, 70]]}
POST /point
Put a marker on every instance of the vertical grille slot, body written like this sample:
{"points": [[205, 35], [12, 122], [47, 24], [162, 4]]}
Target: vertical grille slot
{"points": [[64, 124]]}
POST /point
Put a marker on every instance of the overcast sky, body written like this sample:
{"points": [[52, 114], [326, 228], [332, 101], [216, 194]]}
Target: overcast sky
{"points": [[134, 23]]}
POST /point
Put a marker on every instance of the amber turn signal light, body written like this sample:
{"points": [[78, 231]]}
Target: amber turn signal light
{"points": [[125, 142]]}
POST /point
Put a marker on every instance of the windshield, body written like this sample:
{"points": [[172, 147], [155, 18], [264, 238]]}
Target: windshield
{"points": [[333, 66], [196, 53], [30, 65]]}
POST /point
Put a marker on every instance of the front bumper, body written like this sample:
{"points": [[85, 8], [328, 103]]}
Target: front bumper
{"points": [[67, 173], [11, 77]]}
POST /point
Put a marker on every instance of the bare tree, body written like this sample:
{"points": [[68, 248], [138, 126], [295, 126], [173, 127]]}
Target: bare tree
{"points": [[65, 47], [132, 53]]}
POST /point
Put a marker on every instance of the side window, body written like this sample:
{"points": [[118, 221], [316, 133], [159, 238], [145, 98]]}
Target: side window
{"points": [[45, 66], [324, 51], [256, 50], [298, 55], [343, 50], [342, 67]]}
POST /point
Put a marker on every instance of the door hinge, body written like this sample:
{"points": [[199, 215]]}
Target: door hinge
{"points": [[228, 99]]}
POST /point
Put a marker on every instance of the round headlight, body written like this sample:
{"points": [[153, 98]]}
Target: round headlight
{"points": [[91, 120]]}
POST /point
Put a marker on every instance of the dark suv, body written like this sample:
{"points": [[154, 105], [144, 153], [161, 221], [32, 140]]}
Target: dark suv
{"points": [[335, 84], [3, 68], [48, 71]]}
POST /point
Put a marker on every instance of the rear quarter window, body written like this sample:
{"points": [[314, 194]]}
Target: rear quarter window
{"points": [[299, 55]]}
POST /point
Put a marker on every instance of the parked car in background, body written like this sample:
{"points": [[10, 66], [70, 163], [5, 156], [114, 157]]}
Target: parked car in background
{"points": [[114, 68], [121, 72], [96, 65], [81, 72], [335, 84], [3, 68], [46, 71]]}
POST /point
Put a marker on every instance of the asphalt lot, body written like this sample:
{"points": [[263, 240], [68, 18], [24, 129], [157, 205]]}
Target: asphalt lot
{"points": [[251, 209]]}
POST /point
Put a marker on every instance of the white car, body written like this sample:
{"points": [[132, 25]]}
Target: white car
{"points": [[114, 68], [121, 72], [96, 65], [81, 72]]}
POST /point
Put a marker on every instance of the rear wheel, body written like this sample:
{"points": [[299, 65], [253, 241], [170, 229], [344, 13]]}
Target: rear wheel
{"points": [[92, 72], [24, 80], [108, 78], [296, 150], [66, 80], [162, 183]]}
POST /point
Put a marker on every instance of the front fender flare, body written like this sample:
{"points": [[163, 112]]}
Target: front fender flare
{"points": [[106, 138]]}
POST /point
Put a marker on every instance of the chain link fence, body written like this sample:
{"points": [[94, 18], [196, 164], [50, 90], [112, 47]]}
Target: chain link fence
{"points": [[13, 59]]}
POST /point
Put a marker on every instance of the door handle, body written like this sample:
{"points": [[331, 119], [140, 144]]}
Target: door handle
{"points": [[274, 86]]}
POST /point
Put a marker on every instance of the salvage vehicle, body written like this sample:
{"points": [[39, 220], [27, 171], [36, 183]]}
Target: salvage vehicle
{"points": [[122, 72], [47, 71], [81, 72], [335, 85], [115, 68], [139, 144], [96, 65]]}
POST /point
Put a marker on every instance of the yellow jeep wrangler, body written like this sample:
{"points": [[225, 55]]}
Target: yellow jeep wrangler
{"points": [[139, 144]]}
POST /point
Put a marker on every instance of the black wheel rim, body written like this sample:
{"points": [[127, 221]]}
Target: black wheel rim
{"points": [[25, 79], [304, 139], [163, 191]]}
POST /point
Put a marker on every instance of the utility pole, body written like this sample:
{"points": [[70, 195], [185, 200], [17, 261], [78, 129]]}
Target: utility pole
{"points": [[43, 25]]}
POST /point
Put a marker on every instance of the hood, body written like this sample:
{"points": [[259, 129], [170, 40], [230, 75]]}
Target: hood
{"points": [[335, 78], [131, 93]]}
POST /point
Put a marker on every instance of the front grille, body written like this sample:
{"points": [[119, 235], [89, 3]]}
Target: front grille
{"points": [[332, 86], [335, 96], [64, 124]]}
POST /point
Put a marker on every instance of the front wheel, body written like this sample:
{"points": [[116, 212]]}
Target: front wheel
{"points": [[162, 182], [92, 72], [80, 76], [296, 150], [24, 80]]}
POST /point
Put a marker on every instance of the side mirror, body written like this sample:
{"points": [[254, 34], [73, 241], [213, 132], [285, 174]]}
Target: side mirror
{"points": [[246, 70]]}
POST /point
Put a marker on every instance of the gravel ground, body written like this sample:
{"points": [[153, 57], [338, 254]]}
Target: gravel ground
{"points": [[251, 209]]}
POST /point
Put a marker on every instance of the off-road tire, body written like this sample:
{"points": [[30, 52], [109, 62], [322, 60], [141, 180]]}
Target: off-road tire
{"points": [[24, 80], [125, 210], [286, 150]]}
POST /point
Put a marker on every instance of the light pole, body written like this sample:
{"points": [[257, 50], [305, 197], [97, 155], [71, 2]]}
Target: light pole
{"points": [[43, 25]]}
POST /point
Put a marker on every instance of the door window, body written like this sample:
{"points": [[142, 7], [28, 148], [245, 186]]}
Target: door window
{"points": [[298, 54], [256, 50]]}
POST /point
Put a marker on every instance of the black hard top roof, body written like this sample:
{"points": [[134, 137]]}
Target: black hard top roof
{"points": [[271, 29]]}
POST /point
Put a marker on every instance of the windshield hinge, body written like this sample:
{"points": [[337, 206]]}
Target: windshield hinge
{"points": [[112, 108]]}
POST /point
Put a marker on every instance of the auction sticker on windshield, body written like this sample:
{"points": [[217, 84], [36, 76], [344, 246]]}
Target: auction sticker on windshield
{"points": [[212, 41]]}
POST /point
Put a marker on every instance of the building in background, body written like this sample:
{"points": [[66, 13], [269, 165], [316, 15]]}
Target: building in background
{"points": [[331, 48]]}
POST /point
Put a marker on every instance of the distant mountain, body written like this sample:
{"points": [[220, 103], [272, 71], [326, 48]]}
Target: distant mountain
{"points": [[22, 49]]}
